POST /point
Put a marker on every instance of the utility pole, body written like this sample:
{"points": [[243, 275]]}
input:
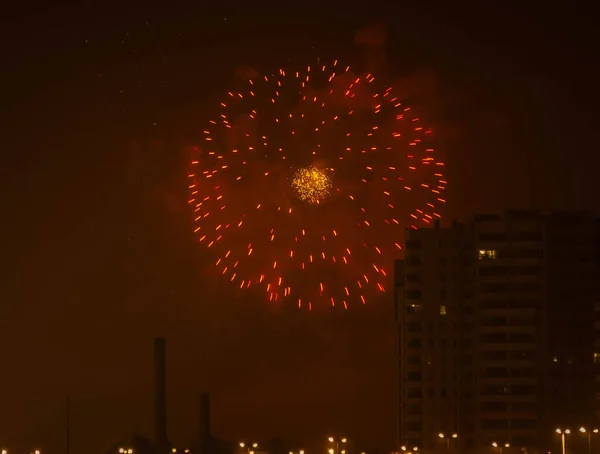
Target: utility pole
{"points": [[68, 428]]}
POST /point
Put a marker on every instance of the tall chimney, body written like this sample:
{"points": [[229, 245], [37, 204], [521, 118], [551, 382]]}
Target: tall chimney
{"points": [[204, 422], [160, 396]]}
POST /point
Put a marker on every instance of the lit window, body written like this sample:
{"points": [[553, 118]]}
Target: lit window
{"points": [[487, 254], [442, 310], [596, 357], [413, 308], [555, 359]]}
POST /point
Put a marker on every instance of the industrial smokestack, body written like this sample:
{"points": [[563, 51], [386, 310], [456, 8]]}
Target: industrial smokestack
{"points": [[204, 422], [160, 396]]}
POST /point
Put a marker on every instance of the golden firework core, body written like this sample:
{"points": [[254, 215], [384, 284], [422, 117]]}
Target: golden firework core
{"points": [[312, 185]]}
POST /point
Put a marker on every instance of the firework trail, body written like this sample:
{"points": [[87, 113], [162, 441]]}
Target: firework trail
{"points": [[305, 181]]}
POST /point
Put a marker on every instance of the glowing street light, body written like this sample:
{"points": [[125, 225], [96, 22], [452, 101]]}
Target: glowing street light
{"points": [[337, 442], [250, 447], [589, 433], [562, 434], [501, 446], [448, 437], [406, 450]]}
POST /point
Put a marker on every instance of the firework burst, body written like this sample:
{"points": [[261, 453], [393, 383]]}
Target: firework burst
{"points": [[311, 184], [305, 181]]}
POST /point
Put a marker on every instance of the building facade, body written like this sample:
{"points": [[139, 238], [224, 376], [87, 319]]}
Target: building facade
{"points": [[495, 331]]}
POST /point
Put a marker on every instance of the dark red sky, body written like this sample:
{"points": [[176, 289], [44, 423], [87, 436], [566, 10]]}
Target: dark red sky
{"points": [[98, 256]]}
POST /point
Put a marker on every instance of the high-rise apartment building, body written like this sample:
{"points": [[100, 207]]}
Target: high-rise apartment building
{"points": [[495, 331]]}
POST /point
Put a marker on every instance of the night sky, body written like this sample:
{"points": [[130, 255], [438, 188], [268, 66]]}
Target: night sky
{"points": [[99, 105]]}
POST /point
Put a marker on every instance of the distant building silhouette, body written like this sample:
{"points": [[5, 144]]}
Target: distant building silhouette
{"points": [[496, 333], [204, 436]]}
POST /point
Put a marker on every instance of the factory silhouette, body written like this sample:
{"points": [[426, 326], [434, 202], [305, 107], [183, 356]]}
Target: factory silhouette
{"points": [[160, 444]]}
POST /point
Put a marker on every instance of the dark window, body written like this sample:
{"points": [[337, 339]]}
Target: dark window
{"points": [[467, 360], [488, 271], [528, 287], [467, 326], [523, 407], [413, 360], [413, 294], [522, 304], [414, 375], [494, 424], [494, 407], [491, 237], [415, 343], [494, 390], [531, 253], [493, 287], [528, 270], [414, 392], [492, 304], [496, 372], [468, 310], [522, 337], [494, 355], [413, 244], [413, 326], [493, 320], [414, 409], [522, 321], [523, 372], [522, 390], [414, 426], [493, 338], [523, 440], [523, 423], [413, 260], [413, 277], [525, 355], [527, 236]]}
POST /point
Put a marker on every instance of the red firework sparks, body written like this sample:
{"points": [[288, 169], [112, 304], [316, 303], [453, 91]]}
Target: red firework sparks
{"points": [[306, 180]]}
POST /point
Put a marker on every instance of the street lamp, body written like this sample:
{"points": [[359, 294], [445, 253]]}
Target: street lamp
{"points": [[337, 442], [562, 434], [501, 446], [589, 433], [448, 437], [249, 447]]}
